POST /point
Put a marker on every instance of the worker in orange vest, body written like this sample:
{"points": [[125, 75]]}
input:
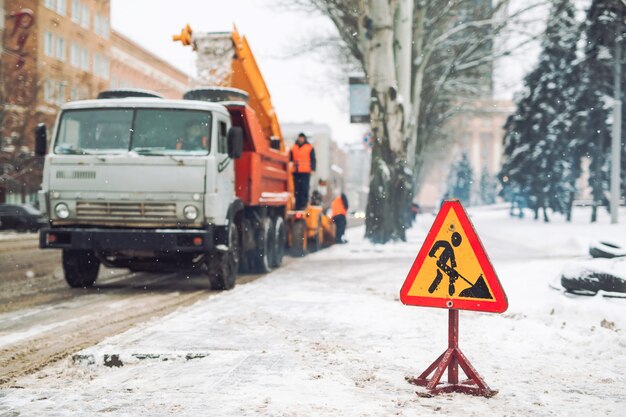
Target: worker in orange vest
{"points": [[302, 155], [339, 207]]}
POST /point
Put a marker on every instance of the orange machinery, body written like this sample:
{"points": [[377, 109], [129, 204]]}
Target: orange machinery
{"points": [[262, 174]]}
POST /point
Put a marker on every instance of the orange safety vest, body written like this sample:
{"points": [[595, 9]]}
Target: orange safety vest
{"points": [[302, 158], [337, 207]]}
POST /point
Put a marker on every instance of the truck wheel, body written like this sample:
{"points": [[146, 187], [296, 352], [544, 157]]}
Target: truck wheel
{"points": [[298, 236], [80, 268], [265, 247], [222, 265], [315, 243], [280, 237]]}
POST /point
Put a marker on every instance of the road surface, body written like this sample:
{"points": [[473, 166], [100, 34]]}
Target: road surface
{"points": [[43, 320]]}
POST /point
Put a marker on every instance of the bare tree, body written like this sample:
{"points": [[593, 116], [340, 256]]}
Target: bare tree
{"points": [[423, 59]]}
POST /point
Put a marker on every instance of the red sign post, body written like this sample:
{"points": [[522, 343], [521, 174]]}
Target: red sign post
{"points": [[452, 271]]}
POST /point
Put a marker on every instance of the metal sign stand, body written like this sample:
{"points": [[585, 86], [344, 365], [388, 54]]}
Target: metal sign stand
{"points": [[451, 359]]}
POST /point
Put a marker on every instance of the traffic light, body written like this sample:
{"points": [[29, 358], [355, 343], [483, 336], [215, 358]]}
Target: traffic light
{"points": [[184, 37]]}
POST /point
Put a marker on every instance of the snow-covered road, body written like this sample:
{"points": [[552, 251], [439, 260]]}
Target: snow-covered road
{"points": [[328, 336]]}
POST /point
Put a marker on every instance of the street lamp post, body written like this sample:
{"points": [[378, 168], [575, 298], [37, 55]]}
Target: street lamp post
{"points": [[616, 143]]}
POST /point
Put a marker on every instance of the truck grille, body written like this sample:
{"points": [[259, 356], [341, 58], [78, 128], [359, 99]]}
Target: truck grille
{"points": [[125, 211]]}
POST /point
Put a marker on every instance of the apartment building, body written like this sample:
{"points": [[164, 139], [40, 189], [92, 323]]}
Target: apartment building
{"points": [[54, 51]]}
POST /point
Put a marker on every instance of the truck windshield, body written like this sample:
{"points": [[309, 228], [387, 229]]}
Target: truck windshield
{"points": [[86, 131], [171, 132], [143, 131]]}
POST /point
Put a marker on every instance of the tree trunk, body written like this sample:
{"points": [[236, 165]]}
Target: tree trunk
{"points": [[594, 211], [390, 180], [570, 205]]}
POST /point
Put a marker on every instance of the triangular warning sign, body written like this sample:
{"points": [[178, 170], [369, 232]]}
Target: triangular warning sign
{"points": [[452, 269]]}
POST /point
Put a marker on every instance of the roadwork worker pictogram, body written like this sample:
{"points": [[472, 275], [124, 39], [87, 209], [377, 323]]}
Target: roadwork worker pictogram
{"points": [[447, 255]]}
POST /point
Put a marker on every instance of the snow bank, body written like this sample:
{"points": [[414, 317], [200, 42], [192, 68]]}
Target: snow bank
{"points": [[327, 336]]}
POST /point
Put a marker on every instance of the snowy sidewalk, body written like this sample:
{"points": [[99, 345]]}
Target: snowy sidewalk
{"points": [[328, 336]]}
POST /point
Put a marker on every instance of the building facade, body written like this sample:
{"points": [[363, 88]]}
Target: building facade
{"points": [[54, 51], [478, 132], [134, 67]]}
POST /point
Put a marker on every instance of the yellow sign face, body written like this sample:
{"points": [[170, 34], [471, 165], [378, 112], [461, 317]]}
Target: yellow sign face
{"points": [[452, 269]]}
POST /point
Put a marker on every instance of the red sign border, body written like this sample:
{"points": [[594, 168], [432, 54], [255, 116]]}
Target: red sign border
{"points": [[500, 302]]}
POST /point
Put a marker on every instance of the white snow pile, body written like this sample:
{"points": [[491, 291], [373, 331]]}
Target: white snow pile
{"points": [[591, 267], [215, 53], [606, 249], [327, 335]]}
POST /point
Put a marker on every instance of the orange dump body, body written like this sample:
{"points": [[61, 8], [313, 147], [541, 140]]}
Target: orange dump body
{"points": [[261, 174]]}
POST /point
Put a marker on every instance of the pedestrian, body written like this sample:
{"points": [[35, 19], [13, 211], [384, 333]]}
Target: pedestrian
{"points": [[302, 155], [339, 208]]}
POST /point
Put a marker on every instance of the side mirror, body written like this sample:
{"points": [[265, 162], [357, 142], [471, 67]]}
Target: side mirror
{"points": [[235, 142], [41, 140]]}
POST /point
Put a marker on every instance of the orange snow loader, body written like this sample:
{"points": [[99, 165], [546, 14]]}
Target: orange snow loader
{"points": [[263, 179]]}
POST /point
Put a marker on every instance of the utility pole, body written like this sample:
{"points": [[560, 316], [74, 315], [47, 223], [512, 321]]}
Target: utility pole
{"points": [[616, 143]]}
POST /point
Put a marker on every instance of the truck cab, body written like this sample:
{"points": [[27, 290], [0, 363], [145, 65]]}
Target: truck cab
{"points": [[139, 182]]}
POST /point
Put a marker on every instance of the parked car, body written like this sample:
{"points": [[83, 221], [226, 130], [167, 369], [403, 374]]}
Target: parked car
{"points": [[21, 217]]}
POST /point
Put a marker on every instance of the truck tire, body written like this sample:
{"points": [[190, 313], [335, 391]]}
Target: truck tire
{"points": [[298, 236], [280, 238], [265, 252], [222, 265], [80, 268]]}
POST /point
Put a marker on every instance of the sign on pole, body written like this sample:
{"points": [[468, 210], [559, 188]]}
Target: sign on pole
{"points": [[452, 271], [359, 100]]}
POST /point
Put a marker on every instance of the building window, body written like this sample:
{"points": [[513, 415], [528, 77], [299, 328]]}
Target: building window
{"points": [[74, 93], [75, 11], [75, 55], [49, 4], [60, 52], [114, 82], [84, 16], [466, 141], [60, 93], [48, 93], [101, 25], [96, 64], [106, 29], [61, 7], [47, 44], [84, 59], [101, 66]]}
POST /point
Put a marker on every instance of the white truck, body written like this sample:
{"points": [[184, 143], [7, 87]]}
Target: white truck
{"points": [[129, 183]]}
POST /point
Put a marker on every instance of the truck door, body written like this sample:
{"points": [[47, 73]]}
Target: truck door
{"points": [[225, 166]]}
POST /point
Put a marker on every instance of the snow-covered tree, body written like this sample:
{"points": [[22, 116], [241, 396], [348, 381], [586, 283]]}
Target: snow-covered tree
{"points": [[421, 58], [596, 85], [536, 156], [460, 180]]}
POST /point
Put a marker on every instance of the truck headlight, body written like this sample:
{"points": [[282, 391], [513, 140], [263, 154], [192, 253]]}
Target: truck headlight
{"points": [[62, 211], [190, 212]]}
